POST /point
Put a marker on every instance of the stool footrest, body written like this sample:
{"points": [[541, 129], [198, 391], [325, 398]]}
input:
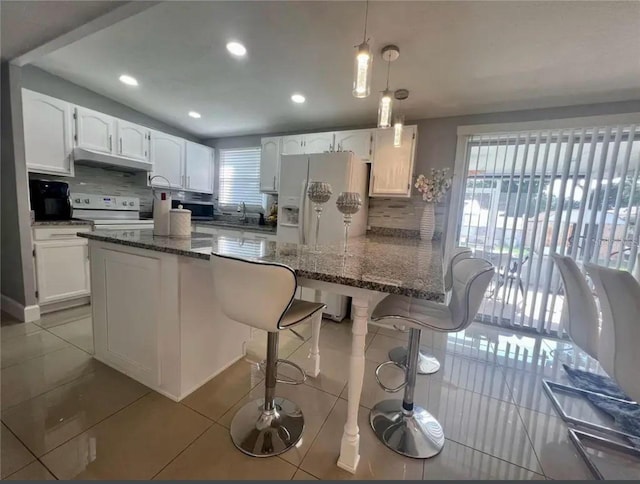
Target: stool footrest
{"points": [[286, 380], [385, 387]]}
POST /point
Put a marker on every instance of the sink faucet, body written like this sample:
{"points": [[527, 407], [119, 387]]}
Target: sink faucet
{"points": [[243, 208]]}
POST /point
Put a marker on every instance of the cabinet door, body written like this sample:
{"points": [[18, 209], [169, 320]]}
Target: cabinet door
{"points": [[318, 142], [133, 141], [48, 138], [392, 168], [94, 130], [270, 164], [62, 269], [358, 142], [167, 156], [293, 145], [199, 168]]}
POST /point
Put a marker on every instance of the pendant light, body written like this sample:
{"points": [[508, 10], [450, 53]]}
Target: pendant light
{"points": [[398, 121], [362, 63], [385, 108]]}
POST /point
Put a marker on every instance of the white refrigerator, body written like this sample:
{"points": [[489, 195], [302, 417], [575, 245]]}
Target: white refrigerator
{"points": [[297, 219]]}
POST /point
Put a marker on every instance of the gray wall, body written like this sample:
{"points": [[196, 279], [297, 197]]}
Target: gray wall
{"points": [[41, 81], [16, 264]]}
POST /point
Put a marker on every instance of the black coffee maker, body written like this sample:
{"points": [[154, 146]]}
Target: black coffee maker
{"points": [[50, 200]]}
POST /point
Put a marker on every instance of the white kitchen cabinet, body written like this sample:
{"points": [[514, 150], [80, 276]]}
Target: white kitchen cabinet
{"points": [[199, 168], [270, 164], [318, 142], [133, 140], [48, 137], [392, 168], [62, 269], [293, 145], [167, 156], [94, 130], [359, 142]]}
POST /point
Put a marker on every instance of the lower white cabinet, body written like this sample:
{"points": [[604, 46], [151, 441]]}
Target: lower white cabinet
{"points": [[62, 269]]}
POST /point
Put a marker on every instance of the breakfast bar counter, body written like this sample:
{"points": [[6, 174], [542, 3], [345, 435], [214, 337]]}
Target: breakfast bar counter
{"points": [[156, 318]]}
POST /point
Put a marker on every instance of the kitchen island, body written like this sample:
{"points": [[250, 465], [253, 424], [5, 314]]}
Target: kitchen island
{"points": [[156, 319]]}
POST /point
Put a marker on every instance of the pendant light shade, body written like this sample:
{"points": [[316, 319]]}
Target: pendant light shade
{"points": [[385, 109], [398, 125], [362, 71], [362, 64], [398, 119]]}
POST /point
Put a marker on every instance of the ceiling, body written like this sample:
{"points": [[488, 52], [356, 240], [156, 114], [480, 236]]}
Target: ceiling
{"points": [[456, 58], [27, 25]]}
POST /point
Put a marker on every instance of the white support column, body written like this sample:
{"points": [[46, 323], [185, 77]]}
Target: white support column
{"points": [[350, 444], [313, 360]]}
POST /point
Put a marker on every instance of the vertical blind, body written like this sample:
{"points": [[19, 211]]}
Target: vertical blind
{"points": [[240, 177], [530, 194]]}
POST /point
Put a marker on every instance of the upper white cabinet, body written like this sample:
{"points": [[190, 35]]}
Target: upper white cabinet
{"points": [[293, 145], [133, 140], [167, 156], [318, 142], [48, 137], [392, 167], [359, 142], [94, 130], [270, 164], [199, 168]]}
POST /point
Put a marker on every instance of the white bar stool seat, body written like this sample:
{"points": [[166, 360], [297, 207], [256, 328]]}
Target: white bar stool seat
{"points": [[404, 427], [261, 295], [427, 363]]}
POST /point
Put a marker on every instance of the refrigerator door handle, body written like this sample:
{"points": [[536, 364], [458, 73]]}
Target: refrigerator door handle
{"points": [[302, 212]]}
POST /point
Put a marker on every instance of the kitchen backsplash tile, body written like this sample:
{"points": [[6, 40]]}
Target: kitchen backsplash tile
{"points": [[101, 181], [402, 213]]}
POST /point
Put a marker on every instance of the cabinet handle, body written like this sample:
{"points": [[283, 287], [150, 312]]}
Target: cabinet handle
{"points": [[110, 143], [189, 181], [120, 145], [274, 182]]}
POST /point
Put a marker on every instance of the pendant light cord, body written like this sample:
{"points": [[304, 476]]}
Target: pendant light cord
{"points": [[366, 18], [388, 70]]}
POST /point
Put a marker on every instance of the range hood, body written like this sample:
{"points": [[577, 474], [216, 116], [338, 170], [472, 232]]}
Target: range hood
{"points": [[83, 156]]}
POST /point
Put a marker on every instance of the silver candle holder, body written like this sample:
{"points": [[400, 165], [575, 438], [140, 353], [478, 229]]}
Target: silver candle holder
{"points": [[319, 193], [348, 204]]}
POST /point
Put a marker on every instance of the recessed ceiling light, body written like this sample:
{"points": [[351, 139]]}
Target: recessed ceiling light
{"points": [[298, 98], [195, 114], [237, 49], [128, 80]]}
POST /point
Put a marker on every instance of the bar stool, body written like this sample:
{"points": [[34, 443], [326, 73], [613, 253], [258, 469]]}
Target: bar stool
{"points": [[404, 427], [427, 363], [261, 295]]}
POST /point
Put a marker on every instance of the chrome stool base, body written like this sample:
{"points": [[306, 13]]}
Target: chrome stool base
{"points": [[264, 433], [427, 364], [414, 434]]}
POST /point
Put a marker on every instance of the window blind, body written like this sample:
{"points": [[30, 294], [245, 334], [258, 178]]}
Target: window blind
{"points": [[240, 177], [530, 194]]}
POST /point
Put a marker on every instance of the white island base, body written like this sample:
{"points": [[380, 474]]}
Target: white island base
{"points": [[156, 320]]}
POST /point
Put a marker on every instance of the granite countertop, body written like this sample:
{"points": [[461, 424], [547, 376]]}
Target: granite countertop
{"points": [[73, 221], [237, 226], [395, 265]]}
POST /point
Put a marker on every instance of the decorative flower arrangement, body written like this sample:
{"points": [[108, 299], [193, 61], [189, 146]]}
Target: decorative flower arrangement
{"points": [[434, 188]]}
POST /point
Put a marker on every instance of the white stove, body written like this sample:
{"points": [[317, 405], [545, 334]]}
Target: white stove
{"points": [[109, 211]]}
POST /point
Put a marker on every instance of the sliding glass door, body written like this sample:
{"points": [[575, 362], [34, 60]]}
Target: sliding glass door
{"points": [[529, 194]]}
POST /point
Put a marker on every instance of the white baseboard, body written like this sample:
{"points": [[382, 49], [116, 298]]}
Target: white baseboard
{"points": [[18, 311]]}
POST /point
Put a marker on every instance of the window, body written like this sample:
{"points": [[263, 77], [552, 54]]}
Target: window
{"points": [[240, 178]]}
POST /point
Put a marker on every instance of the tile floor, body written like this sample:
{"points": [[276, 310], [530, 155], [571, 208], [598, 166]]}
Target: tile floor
{"points": [[66, 416]]}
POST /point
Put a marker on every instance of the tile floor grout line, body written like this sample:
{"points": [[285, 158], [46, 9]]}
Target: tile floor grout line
{"points": [[318, 434], [38, 355], [185, 449], [495, 457], [24, 445], [526, 430], [97, 423]]}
